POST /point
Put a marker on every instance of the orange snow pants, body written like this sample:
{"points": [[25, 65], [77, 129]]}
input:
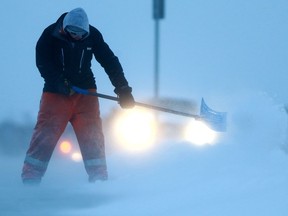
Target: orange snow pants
{"points": [[56, 110]]}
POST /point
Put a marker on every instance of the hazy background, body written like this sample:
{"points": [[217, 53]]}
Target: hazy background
{"points": [[231, 52], [207, 48]]}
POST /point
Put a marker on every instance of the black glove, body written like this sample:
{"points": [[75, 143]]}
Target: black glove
{"points": [[126, 99], [64, 87]]}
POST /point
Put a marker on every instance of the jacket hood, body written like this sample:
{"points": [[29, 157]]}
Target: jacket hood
{"points": [[78, 18]]}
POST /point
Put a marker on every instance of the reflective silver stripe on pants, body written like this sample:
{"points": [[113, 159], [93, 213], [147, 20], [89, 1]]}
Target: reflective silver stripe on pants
{"points": [[95, 162], [36, 162]]}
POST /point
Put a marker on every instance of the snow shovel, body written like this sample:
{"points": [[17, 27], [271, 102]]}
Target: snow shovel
{"points": [[213, 119]]}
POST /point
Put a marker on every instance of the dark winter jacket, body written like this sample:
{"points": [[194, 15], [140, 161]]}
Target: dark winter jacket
{"points": [[58, 57]]}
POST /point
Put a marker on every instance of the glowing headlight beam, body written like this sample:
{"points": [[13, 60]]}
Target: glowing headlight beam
{"points": [[76, 156], [65, 147], [135, 130], [199, 134]]}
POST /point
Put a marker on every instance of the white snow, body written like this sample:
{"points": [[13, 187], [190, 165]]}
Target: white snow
{"points": [[226, 51], [246, 173]]}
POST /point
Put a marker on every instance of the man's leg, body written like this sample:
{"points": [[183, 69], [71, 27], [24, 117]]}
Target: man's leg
{"points": [[87, 125], [52, 119]]}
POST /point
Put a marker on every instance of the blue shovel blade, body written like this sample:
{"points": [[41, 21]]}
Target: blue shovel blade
{"points": [[215, 120]]}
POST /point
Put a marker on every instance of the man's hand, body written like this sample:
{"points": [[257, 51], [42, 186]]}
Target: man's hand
{"points": [[126, 99], [64, 87]]}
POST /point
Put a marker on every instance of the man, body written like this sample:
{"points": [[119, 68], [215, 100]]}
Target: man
{"points": [[63, 57]]}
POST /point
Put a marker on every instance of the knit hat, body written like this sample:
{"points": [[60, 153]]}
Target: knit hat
{"points": [[76, 18]]}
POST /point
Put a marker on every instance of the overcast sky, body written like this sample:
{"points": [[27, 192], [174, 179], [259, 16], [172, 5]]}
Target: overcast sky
{"points": [[212, 49]]}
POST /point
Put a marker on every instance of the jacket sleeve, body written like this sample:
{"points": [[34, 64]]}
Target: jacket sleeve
{"points": [[45, 58], [105, 56]]}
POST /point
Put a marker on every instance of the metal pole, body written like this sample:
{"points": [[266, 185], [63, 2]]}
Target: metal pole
{"points": [[156, 60], [158, 13]]}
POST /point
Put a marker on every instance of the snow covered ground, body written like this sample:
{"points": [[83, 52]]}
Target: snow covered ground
{"points": [[245, 174], [221, 47]]}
